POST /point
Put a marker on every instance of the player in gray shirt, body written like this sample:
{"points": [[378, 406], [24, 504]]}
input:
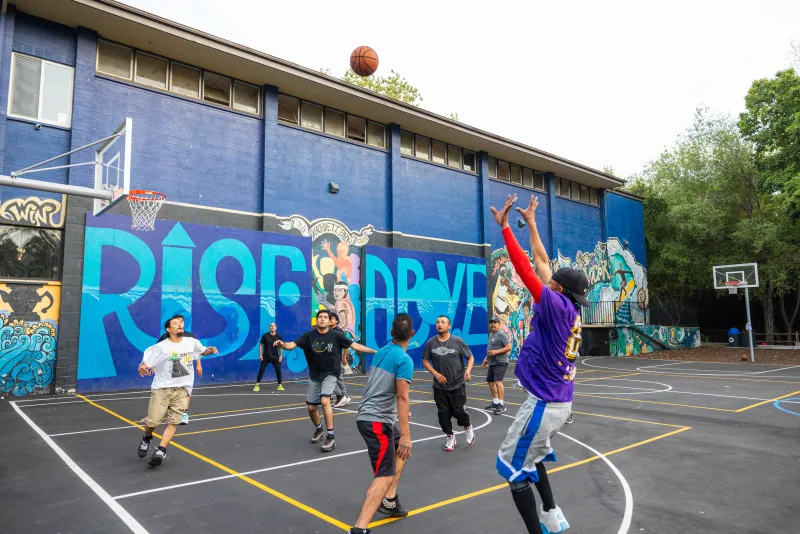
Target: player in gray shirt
{"points": [[498, 349], [444, 357]]}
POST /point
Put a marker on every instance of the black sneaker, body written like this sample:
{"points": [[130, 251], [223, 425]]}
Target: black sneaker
{"points": [[492, 406], [157, 458], [392, 508], [330, 443], [317, 437], [569, 419], [355, 530], [501, 408], [144, 446]]}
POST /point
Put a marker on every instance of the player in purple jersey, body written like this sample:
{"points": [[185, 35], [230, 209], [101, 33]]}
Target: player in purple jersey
{"points": [[546, 369]]}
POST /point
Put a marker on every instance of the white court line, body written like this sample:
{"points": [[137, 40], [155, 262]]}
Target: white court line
{"points": [[126, 518], [410, 422], [295, 464], [674, 371], [661, 365], [193, 396]]}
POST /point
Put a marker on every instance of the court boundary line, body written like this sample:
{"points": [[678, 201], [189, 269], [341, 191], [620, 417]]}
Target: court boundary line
{"points": [[117, 508]]}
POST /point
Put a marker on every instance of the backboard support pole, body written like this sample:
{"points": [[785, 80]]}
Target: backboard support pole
{"points": [[749, 322], [39, 185]]}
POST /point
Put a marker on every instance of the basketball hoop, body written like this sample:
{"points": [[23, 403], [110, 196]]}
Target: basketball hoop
{"points": [[733, 286], [144, 207]]}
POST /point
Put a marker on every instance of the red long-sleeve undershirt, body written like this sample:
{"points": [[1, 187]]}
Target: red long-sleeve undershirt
{"points": [[522, 265]]}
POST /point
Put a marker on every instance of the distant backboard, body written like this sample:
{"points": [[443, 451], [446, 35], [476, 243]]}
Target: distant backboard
{"points": [[746, 274], [112, 171]]}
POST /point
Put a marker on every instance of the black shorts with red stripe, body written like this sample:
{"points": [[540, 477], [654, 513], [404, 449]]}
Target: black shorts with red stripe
{"points": [[382, 440]]}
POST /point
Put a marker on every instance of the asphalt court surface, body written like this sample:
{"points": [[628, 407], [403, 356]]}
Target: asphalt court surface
{"points": [[656, 447]]}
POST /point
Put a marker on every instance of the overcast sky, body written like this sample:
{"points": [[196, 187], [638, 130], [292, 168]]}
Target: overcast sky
{"points": [[601, 83]]}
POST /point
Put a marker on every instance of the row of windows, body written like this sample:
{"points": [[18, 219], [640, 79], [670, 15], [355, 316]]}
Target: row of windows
{"points": [[503, 170], [436, 151], [41, 90], [575, 191], [331, 121], [162, 73]]}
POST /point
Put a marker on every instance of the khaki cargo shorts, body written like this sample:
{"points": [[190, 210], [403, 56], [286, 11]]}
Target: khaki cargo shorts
{"points": [[170, 401]]}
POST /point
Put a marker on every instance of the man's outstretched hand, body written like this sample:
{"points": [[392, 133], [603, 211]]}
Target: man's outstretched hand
{"points": [[529, 213], [502, 216]]}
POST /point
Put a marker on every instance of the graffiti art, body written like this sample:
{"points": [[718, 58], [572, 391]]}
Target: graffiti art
{"points": [[635, 340]]}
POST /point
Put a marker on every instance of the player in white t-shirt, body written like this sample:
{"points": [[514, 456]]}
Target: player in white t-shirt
{"points": [[171, 361]]}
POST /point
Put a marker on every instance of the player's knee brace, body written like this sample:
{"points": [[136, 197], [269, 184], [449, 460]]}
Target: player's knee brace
{"points": [[519, 486]]}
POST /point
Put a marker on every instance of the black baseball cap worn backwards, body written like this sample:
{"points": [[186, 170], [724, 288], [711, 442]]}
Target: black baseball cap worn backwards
{"points": [[575, 282]]}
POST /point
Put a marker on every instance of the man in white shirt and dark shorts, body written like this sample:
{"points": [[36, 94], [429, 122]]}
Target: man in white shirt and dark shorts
{"points": [[171, 361]]}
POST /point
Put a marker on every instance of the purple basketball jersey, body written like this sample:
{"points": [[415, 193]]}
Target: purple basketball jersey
{"points": [[546, 364]]}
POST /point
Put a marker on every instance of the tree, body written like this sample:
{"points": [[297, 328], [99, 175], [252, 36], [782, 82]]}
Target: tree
{"points": [[452, 116], [394, 86]]}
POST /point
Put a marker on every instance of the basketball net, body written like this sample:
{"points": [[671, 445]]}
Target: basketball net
{"points": [[144, 207], [733, 286]]}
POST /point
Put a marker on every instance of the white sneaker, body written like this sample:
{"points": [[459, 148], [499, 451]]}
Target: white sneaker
{"points": [[184, 418], [469, 434], [347, 400], [450, 444], [553, 521], [344, 400]]}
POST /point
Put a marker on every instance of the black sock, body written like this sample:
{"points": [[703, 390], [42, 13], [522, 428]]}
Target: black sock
{"points": [[356, 530], [162, 449], [526, 505], [543, 486], [391, 499], [149, 438]]}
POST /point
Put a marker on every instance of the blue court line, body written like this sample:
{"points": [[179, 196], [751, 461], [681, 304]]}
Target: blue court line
{"points": [[777, 404]]}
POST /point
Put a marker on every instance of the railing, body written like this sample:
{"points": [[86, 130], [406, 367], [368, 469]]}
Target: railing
{"points": [[631, 313]]}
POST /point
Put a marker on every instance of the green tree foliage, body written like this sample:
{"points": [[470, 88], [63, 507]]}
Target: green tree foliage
{"points": [[394, 86]]}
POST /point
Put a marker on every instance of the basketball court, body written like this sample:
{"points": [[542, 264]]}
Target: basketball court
{"points": [[656, 447]]}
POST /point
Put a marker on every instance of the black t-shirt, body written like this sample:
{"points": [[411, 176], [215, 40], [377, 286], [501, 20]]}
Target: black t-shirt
{"points": [[164, 336], [270, 350], [323, 352], [448, 359]]}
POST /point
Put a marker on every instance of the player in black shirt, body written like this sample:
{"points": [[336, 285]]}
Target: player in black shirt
{"points": [[323, 350], [268, 353]]}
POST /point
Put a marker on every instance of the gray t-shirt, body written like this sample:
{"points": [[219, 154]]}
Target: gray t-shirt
{"points": [[497, 341], [379, 401], [449, 359]]}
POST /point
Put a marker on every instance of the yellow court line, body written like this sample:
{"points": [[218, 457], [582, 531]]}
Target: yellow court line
{"points": [[248, 409], [657, 402], [243, 426], [505, 484], [606, 377], [703, 377], [756, 405], [259, 485], [628, 419]]}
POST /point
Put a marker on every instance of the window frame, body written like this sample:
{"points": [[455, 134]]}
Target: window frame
{"points": [[38, 118], [411, 135], [199, 79], [167, 77], [474, 169], [369, 137], [347, 128], [430, 143], [325, 111], [444, 151], [258, 97], [131, 68]]}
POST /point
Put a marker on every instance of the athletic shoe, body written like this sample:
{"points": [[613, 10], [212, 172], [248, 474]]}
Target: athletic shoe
{"points": [[144, 446], [157, 458], [501, 408], [355, 530], [553, 521], [450, 444], [392, 508], [492, 406], [280, 387], [257, 388], [469, 434], [317, 437], [184, 418], [343, 401], [330, 443], [569, 419]]}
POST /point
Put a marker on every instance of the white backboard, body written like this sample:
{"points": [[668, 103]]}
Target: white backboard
{"points": [[744, 273], [112, 171]]}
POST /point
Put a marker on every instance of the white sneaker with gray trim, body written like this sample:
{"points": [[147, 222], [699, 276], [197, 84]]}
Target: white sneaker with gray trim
{"points": [[552, 521], [469, 434]]}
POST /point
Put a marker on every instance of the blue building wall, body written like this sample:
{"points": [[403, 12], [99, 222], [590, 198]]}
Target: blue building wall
{"points": [[576, 226], [42, 38], [624, 219], [498, 193]]}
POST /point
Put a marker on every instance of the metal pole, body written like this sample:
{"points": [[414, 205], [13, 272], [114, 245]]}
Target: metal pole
{"points": [[39, 185], [749, 323]]}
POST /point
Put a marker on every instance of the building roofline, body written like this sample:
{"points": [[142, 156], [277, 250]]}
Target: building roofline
{"points": [[54, 8]]}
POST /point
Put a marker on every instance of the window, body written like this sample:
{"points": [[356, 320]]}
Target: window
{"points": [[516, 174], [593, 197], [454, 156], [114, 59], [538, 181], [584, 193], [216, 88], [422, 147], [334, 122], [439, 152], [406, 143], [245, 97], [151, 70], [41, 90], [558, 186], [185, 80], [33, 253], [288, 109], [492, 168], [356, 128], [469, 161], [503, 170], [376, 134], [576, 191], [527, 177], [311, 116]]}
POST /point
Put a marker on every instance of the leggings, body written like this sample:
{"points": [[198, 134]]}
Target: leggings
{"points": [[275, 363]]}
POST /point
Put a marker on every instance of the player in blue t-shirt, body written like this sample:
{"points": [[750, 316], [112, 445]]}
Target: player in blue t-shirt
{"points": [[385, 400]]}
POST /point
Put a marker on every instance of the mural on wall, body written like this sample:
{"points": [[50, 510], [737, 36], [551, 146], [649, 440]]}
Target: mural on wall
{"points": [[34, 211], [644, 339], [425, 285], [230, 284], [617, 288], [336, 270], [28, 329]]}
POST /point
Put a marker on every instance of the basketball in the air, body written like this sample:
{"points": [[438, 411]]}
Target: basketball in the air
{"points": [[364, 61]]}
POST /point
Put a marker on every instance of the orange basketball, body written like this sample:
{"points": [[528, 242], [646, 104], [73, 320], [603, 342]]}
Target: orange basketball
{"points": [[364, 61]]}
